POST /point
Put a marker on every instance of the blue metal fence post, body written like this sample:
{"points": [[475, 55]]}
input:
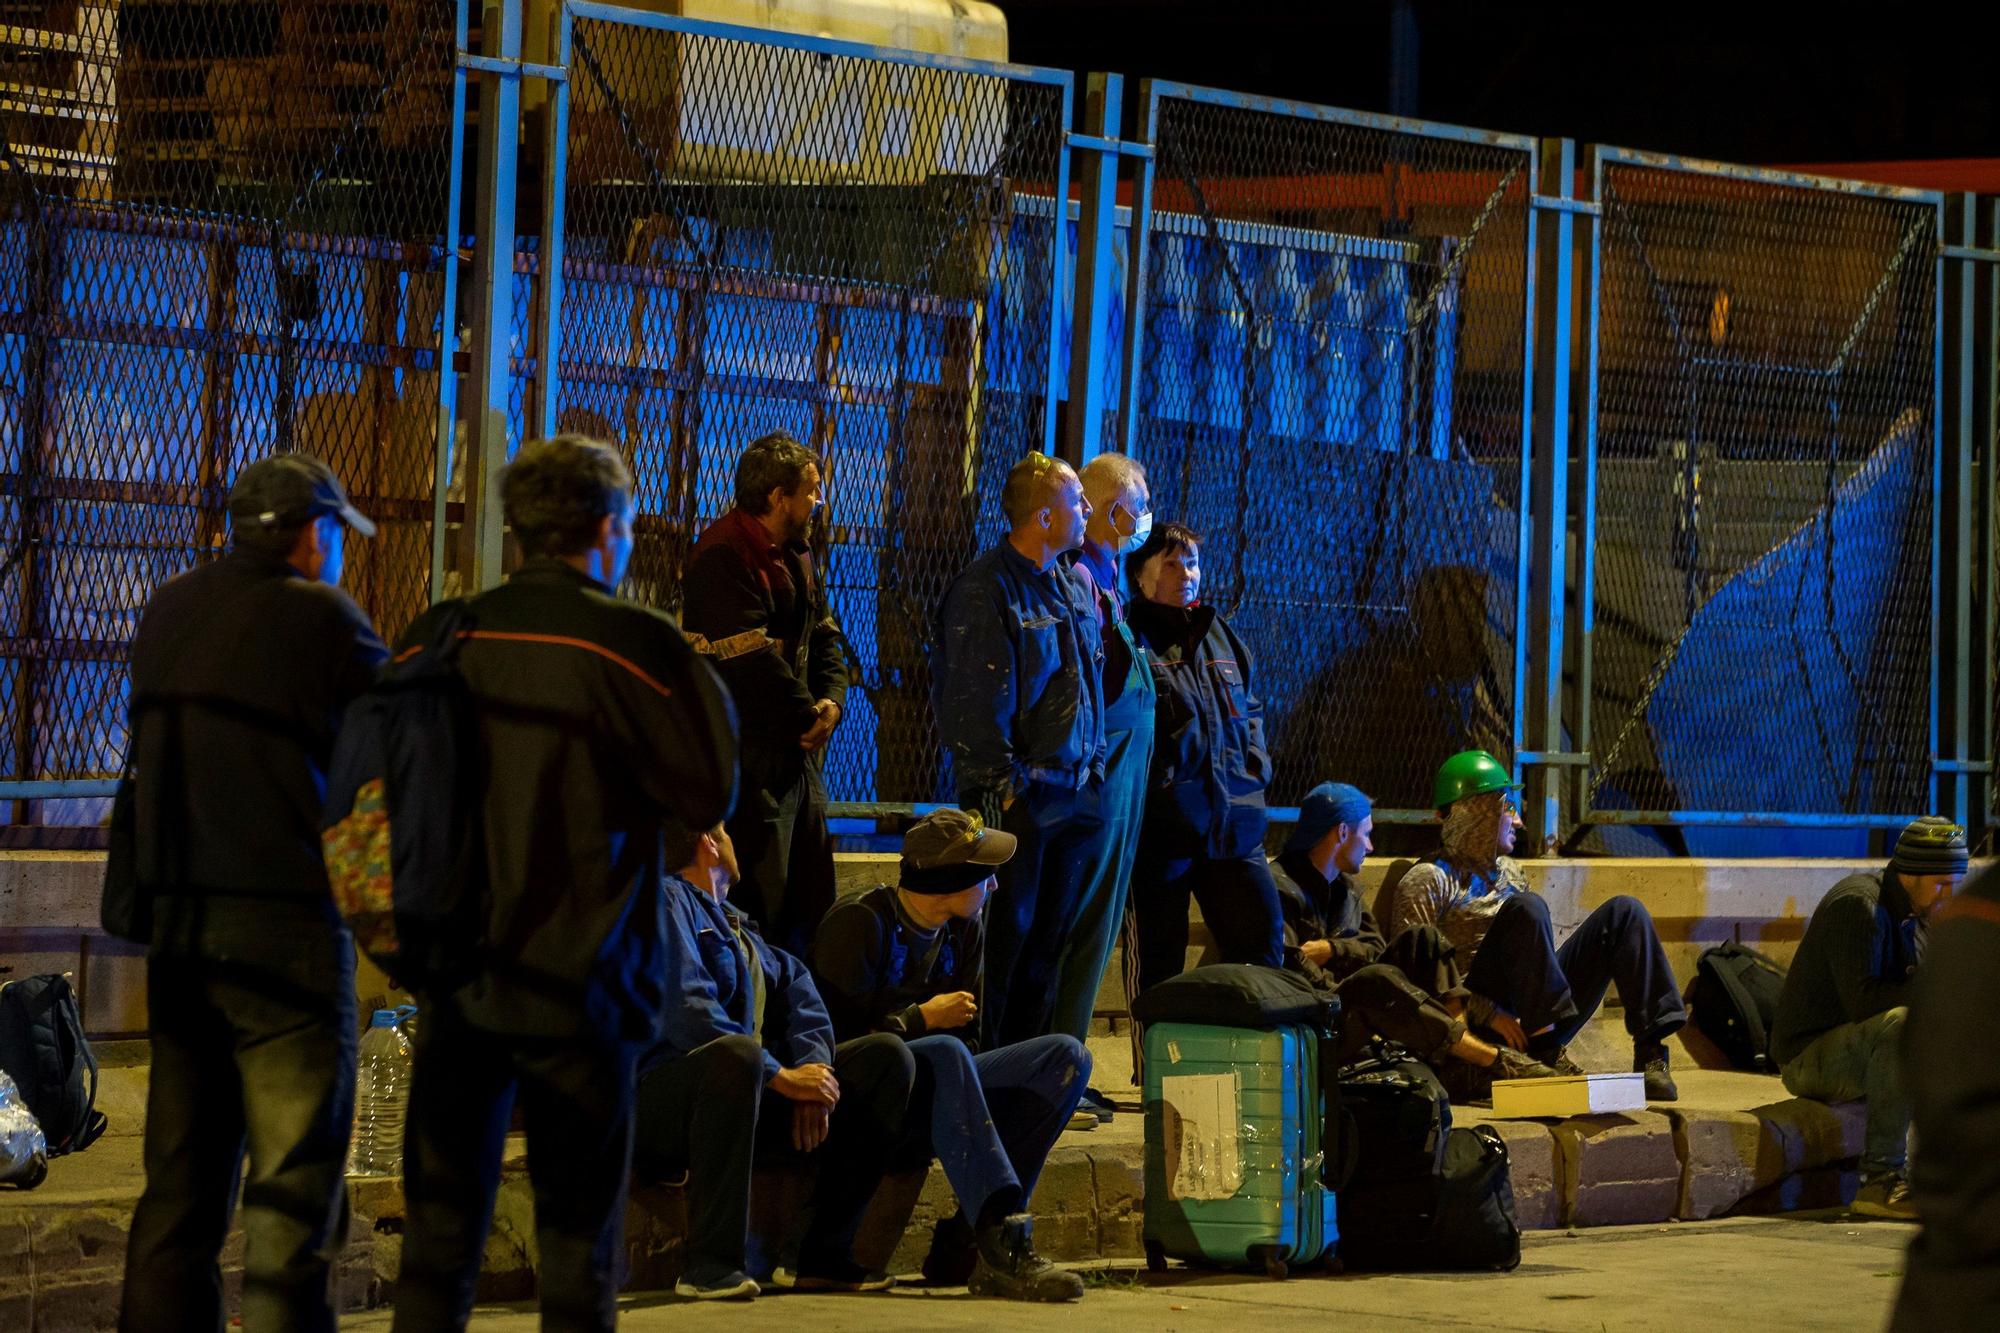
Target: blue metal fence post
{"points": [[1591, 170], [492, 295], [454, 230], [1135, 275], [1551, 309], [1957, 317], [1986, 654], [555, 192], [1090, 316]]}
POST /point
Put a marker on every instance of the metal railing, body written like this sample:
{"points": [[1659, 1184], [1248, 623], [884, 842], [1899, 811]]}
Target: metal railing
{"points": [[1671, 482]]}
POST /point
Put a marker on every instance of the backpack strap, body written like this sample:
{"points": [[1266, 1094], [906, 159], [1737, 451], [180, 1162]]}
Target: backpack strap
{"points": [[1746, 1006], [94, 1121]]}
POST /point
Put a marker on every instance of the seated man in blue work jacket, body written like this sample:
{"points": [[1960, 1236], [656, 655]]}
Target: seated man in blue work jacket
{"points": [[910, 961], [749, 1066]]}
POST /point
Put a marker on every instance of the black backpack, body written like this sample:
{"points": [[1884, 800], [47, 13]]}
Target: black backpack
{"points": [[43, 1049], [1734, 1000], [1425, 1195], [400, 832]]}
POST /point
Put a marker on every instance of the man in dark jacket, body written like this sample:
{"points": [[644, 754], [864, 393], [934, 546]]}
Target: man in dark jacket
{"points": [[1205, 817], [908, 961], [1840, 1016], [596, 725], [754, 602], [1018, 690], [1407, 991], [1953, 1063], [750, 1066], [240, 672]]}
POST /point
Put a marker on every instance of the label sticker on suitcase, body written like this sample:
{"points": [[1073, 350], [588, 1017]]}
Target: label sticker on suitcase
{"points": [[1201, 1130]]}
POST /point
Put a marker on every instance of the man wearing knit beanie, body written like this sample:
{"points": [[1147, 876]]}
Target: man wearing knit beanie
{"points": [[1841, 1015]]}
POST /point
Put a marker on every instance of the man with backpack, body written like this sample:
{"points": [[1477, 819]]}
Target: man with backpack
{"points": [[1841, 1014], [593, 727], [241, 669]]}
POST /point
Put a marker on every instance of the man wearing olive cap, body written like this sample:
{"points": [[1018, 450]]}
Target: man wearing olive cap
{"points": [[1526, 991], [240, 671], [1841, 1014], [910, 961]]}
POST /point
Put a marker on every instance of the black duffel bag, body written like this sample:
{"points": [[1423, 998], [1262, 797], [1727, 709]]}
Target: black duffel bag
{"points": [[1238, 995]]}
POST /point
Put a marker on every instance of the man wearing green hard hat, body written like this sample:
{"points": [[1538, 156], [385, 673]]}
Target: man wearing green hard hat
{"points": [[1528, 992]]}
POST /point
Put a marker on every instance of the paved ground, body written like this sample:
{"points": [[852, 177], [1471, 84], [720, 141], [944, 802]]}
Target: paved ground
{"points": [[1807, 1271]]}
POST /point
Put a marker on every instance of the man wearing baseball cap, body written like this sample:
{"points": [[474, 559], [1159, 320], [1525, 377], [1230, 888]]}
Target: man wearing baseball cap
{"points": [[1526, 991], [910, 960], [1840, 1016], [240, 671], [1406, 990]]}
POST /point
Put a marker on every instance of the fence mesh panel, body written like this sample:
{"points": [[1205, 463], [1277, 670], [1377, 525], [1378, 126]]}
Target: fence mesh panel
{"points": [[219, 237], [1330, 393], [1764, 461], [854, 250]]}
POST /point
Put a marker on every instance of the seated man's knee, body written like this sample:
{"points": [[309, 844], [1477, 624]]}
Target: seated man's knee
{"points": [[1531, 906], [880, 1058], [1068, 1052], [1368, 984], [734, 1060], [1888, 1025], [1625, 907]]}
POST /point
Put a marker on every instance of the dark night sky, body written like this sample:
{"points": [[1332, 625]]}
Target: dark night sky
{"points": [[1750, 82]]}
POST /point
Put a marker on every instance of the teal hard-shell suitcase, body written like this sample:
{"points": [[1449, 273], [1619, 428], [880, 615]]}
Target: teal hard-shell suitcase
{"points": [[1234, 1119]]}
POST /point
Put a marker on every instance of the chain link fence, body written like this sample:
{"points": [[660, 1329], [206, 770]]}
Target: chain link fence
{"points": [[857, 249], [1764, 457], [220, 236], [1330, 390]]}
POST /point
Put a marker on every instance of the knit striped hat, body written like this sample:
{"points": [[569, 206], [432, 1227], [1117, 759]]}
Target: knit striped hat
{"points": [[1931, 845]]}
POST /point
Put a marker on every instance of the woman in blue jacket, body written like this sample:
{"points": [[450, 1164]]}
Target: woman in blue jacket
{"points": [[1205, 817]]}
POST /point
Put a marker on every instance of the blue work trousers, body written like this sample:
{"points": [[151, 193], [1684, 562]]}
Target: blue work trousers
{"points": [[990, 1119]]}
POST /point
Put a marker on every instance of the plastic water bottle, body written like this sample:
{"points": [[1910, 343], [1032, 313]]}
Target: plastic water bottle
{"points": [[381, 1092]]}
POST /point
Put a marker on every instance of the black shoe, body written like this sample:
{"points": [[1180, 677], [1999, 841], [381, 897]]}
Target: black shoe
{"points": [[716, 1285], [1098, 1105], [953, 1254], [846, 1276], [1651, 1060], [1009, 1268]]}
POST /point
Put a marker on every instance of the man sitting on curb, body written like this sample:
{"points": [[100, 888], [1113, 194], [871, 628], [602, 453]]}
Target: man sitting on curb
{"points": [[748, 1064], [1841, 1014], [1408, 991], [1531, 994], [909, 961]]}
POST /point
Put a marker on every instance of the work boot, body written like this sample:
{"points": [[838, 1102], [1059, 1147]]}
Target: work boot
{"points": [[1009, 1268], [1885, 1194], [1510, 1063], [953, 1254], [1650, 1059], [1557, 1058]]}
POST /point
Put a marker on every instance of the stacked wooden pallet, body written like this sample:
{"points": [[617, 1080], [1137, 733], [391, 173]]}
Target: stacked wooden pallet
{"points": [[59, 93], [228, 92]]}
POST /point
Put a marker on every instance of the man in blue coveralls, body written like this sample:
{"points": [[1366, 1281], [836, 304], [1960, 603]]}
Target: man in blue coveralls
{"points": [[1121, 516]]}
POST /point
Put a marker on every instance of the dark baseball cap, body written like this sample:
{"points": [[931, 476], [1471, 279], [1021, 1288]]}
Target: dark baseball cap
{"points": [[948, 850], [287, 490]]}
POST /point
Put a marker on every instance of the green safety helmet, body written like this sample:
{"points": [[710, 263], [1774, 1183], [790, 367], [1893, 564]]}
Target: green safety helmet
{"points": [[1468, 773]]}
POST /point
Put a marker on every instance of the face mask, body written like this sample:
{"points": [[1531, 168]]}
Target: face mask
{"points": [[1142, 528]]}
